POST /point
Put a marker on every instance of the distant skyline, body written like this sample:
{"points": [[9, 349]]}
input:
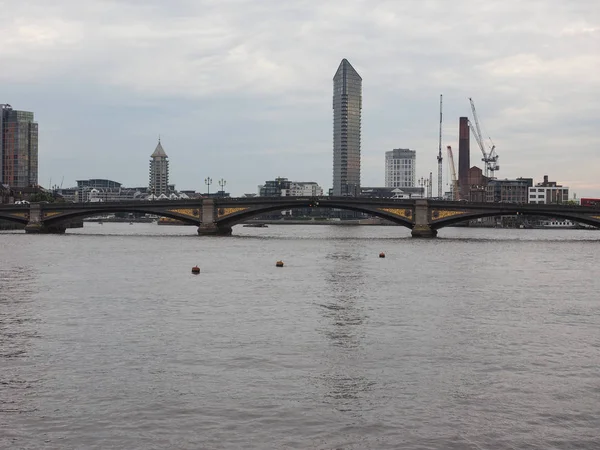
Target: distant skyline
{"points": [[241, 90]]}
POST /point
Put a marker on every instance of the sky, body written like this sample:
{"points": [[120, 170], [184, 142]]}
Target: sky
{"points": [[241, 90]]}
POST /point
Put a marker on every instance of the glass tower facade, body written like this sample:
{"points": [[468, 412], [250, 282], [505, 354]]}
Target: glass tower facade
{"points": [[347, 105], [18, 148]]}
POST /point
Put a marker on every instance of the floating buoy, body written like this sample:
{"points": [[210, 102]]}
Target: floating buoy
{"points": [[279, 264], [382, 255], [196, 270]]}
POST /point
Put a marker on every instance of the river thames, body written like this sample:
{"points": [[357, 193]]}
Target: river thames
{"points": [[479, 339]]}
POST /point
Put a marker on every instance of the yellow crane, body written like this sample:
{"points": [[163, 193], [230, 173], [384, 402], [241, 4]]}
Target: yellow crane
{"points": [[454, 186]]}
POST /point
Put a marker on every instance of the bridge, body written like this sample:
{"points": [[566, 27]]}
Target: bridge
{"points": [[217, 216]]}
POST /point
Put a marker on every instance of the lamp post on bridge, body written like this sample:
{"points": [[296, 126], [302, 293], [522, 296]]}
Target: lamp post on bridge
{"points": [[222, 183], [208, 182]]}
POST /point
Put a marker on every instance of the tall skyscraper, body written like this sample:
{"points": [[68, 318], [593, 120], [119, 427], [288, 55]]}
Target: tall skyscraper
{"points": [[18, 148], [400, 168], [159, 171], [464, 157], [347, 105]]}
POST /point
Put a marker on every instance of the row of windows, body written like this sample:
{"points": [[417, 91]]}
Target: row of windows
{"points": [[549, 189]]}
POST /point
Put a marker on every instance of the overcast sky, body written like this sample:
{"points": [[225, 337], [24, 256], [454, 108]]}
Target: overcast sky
{"points": [[241, 90]]}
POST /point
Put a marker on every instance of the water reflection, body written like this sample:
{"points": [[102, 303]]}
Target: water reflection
{"points": [[17, 331], [344, 328]]}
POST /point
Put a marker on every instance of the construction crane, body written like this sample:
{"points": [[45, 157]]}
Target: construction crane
{"points": [[439, 158], [490, 159], [454, 186]]}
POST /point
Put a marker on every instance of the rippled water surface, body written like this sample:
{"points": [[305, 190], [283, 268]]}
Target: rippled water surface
{"points": [[480, 339]]}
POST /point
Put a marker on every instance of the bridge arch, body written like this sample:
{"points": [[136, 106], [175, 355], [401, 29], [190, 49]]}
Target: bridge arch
{"points": [[241, 216], [15, 219], [580, 218], [70, 215]]}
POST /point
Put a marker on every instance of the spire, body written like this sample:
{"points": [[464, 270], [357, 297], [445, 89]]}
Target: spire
{"points": [[345, 68], [159, 151]]}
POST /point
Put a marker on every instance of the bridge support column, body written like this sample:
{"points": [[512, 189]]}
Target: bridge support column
{"points": [[212, 229], [422, 227], [36, 224], [209, 227]]}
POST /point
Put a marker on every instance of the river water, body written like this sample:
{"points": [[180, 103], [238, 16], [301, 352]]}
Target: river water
{"points": [[480, 339]]}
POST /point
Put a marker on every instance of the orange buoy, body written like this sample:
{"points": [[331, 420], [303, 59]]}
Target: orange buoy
{"points": [[279, 264], [196, 270], [382, 255]]}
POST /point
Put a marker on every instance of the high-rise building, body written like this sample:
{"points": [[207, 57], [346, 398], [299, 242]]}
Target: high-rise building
{"points": [[400, 168], [159, 172], [347, 105], [464, 157], [18, 148]]}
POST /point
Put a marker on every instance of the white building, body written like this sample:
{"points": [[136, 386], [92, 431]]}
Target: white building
{"points": [[400, 168], [159, 172], [548, 192], [303, 189]]}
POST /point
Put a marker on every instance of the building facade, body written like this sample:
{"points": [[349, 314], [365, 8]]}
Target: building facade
{"points": [[400, 168], [347, 106], [477, 185], [548, 192], [102, 190], [392, 192], [18, 148], [282, 187], [303, 189], [159, 172], [508, 191], [274, 188]]}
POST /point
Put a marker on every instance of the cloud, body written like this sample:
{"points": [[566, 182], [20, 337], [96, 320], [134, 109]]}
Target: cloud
{"points": [[230, 81]]}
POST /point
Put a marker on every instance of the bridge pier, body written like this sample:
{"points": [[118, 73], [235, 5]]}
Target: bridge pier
{"points": [[36, 224], [40, 228], [212, 229], [209, 227], [423, 231], [422, 227]]}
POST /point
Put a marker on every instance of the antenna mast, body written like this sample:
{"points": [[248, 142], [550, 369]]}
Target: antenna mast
{"points": [[439, 157]]}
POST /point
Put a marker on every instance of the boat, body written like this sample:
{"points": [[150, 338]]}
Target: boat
{"points": [[256, 225], [563, 224]]}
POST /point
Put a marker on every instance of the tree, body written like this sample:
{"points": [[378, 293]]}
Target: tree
{"points": [[44, 197]]}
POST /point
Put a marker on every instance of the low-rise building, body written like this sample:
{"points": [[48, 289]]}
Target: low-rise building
{"points": [[393, 192], [303, 189], [477, 185], [273, 188], [102, 190], [548, 192], [508, 191], [282, 187]]}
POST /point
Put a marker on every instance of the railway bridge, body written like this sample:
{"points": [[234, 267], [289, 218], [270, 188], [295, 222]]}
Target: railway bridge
{"points": [[217, 216]]}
